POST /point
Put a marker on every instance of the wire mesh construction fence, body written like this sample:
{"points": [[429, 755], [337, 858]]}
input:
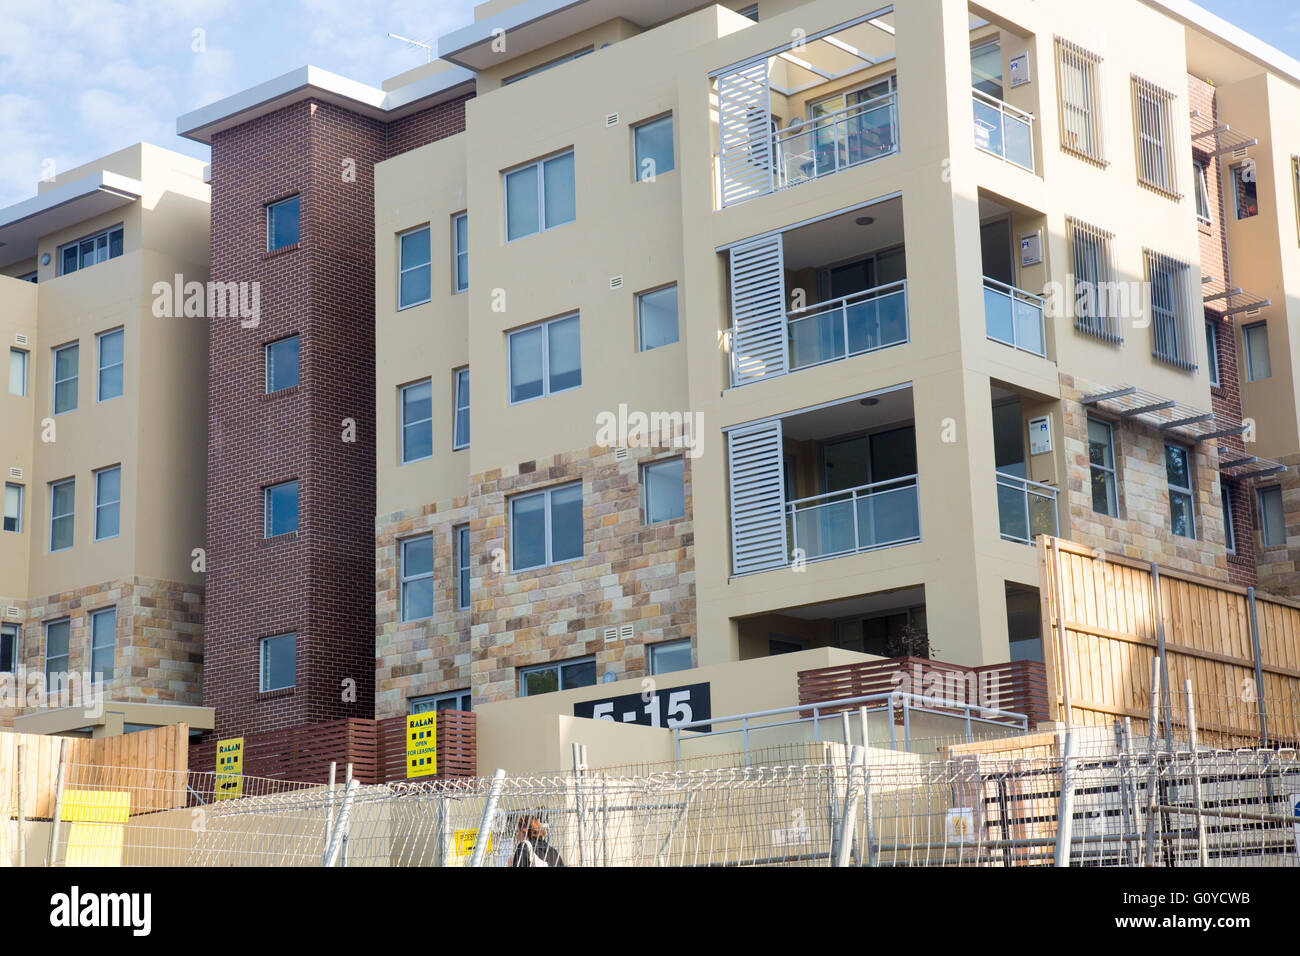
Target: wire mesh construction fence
{"points": [[860, 808]]}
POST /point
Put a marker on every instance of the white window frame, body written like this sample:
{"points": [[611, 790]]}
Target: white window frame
{"points": [[652, 651], [1202, 194], [1113, 471], [459, 253], [646, 470], [558, 667], [462, 545], [403, 424], [546, 358], [101, 504], [270, 232], [1263, 521], [549, 557], [540, 165], [1235, 174], [428, 703], [640, 317], [66, 657], [404, 579], [1188, 492], [1248, 332], [68, 514], [1229, 527], [461, 403], [18, 528], [107, 247], [262, 647], [1212, 352], [403, 268], [266, 508], [100, 367], [54, 372], [267, 363], [112, 644], [24, 362], [636, 131]]}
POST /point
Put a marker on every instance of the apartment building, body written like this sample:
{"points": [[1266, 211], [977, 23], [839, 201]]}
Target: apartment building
{"points": [[103, 438], [790, 325]]}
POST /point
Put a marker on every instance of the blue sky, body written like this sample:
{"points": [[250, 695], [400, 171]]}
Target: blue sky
{"points": [[81, 78]]}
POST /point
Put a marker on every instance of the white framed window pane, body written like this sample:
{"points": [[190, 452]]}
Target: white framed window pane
{"points": [[417, 421], [282, 364], [56, 653], [13, 508], [1202, 194], [65, 378], [103, 643], [110, 364], [417, 578], [1258, 364], [108, 502], [564, 354], [1101, 457], [566, 523], [279, 662], [523, 210], [557, 173], [665, 490], [578, 674], [460, 438], [69, 260], [282, 223], [670, 656], [526, 364], [414, 282], [654, 148], [461, 235], [281, 509], [1178, 470], [527, 532], [1272, 518], [657, 317], [542, 680], [17, 372], [62, 499], [1212, 353]]}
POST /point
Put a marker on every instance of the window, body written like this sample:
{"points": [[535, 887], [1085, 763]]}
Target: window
{"points": [[1245, 190], [1101, 468], [462, 566], [670, 656], [1178, 470], [110, 364], [1202, 192], [460, 252], [1258, 365], [663, 490], [546, 527], [65, 378], [1080, 103], [656, 318], [1153, 117], [460, 429], [652, 144], [413, 271], [62, 498], [8, 647], [417, 421], [13, 508], [17, 372], [100, 247], [103, 643], [1171, 311], [549, 65], [565, 675], [544, 359], [108, 502], [540, 196], [280, 509], [56, 654], [452, 700], [1212, 352], [986, 68], [279, 662], [417, 578], [1229, 533], [1272, 520], [281, 364], [1098, 308], [282, 223]]}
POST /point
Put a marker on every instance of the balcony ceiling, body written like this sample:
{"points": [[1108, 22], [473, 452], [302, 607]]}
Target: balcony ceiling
{"points": [[882, 601], [840, 237], [892, 407]]}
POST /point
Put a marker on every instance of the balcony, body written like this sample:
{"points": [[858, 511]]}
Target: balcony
{"points": [[1014, 317], [850, 325], [864, 518], [836, 141], [1025, 508], [1003, 130]]}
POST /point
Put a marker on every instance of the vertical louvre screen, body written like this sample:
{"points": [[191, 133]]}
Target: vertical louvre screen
{"points": [[1098, 298], [1077, 73], [758, 331], [1153, 121], [757, 497], [745, 133], [1171, 310]]}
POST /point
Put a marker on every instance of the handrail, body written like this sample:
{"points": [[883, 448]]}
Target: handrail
{"points": [[1025, 488], [1016, 295], [1026, 484], [829, 305], [1004, 287], [1005, 112], [855, 492], [830, 119], [1002, 105], [849, 326]]}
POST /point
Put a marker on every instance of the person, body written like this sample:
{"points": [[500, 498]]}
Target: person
{"points": [[531, 848]]}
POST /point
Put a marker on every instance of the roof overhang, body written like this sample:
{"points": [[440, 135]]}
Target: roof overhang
{"points": [[311, 82], [533, 24], [1248, 45], [25, 223]]}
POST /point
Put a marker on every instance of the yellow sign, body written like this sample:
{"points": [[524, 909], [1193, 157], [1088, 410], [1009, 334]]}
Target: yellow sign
{"points": [[230, 768], [466, 840], [421, 744], [97, 826]]}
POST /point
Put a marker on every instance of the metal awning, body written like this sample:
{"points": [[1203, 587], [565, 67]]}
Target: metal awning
{"points": [[1219, 139], [1236, 301], [1244, 468]]}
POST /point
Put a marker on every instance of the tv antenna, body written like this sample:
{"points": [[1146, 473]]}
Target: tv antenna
{"points": [[422, 44]]}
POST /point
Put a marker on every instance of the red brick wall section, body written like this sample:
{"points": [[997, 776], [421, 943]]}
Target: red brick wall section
{"points": [[426, 126]]}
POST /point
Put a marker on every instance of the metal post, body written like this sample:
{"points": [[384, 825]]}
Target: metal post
{"points": [[329, 809], [844, 723], [862, 720], [1121, 765], [1259, 670], [893, 741], [1062, 655], [1202, 851], [1065, 806], [58, 803], [21, 764], [335, 849], [347, 785], [907, 726], [969, 738], [579, 765], [867, 821], [856, 769], [489, 813], [744, 728], [440, 854], [1160, 650], [677, 746], [1153, 742]]}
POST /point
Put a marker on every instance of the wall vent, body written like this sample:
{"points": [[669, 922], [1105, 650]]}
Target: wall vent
{"points": [[20, 339], [620, 452], [13, 612], [625, 632], [16, 473], [611, 119], [615, 282]]}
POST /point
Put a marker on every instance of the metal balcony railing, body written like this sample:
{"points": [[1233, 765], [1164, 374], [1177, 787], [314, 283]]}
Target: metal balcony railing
{"points": [[864, 518], [857, 134], [1025, 508], [850, 325], [1003, 130], [1014, 317]]}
